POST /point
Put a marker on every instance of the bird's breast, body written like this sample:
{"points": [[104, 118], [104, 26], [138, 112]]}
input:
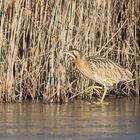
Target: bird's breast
{"points": [[84, 68]]}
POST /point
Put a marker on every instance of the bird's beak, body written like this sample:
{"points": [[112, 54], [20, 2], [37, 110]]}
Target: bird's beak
{"points": [[69, 53]]}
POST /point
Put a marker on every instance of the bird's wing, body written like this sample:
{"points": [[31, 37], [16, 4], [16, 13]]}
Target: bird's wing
{"points": [[107, 72]]}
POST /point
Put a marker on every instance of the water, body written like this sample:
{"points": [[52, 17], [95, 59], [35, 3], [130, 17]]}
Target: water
{"points": [[72, 121]]}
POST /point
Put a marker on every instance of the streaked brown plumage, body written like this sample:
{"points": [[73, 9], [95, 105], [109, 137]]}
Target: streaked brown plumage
{"points": [[101, 70]]}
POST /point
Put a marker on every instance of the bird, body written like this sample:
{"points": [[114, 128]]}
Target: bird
{"points": [[101, 70]]}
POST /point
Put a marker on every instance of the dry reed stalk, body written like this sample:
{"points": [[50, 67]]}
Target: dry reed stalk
{"points": [[34, 34]]}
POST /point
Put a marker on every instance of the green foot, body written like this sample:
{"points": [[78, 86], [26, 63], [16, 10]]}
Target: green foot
{"points": [[101, 103]]}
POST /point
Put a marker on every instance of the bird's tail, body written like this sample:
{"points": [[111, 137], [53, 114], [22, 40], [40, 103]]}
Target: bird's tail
{"points": [[128, 75]]}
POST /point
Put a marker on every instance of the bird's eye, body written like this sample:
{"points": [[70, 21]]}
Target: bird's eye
{"points": [[74, 54]]}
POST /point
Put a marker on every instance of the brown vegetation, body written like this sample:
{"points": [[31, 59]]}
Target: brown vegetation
{"points": [[34, 34]]}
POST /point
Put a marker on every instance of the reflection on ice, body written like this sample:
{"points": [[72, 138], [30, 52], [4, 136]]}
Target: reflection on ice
{"points": [[77, 120]]}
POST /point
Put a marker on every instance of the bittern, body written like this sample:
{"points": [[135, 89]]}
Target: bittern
{"points": [[102, 70]]}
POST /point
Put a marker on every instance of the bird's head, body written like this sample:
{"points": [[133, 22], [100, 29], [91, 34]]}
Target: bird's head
{"points": [[74, 53]]}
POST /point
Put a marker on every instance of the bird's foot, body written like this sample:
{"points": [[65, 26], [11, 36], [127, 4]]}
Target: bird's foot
{"points": [[99, 102], [91, 88]]}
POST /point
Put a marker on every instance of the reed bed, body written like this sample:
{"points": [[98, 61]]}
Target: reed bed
{"points": [[34, 34]]}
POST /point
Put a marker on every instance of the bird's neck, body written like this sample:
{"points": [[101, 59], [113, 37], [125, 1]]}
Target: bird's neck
{"points": [[79, 56], [79, 59]]}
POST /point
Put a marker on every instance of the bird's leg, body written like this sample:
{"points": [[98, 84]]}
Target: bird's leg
{"points": [[102, 99], [89, 90], [105, 91], [97, 89]]}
